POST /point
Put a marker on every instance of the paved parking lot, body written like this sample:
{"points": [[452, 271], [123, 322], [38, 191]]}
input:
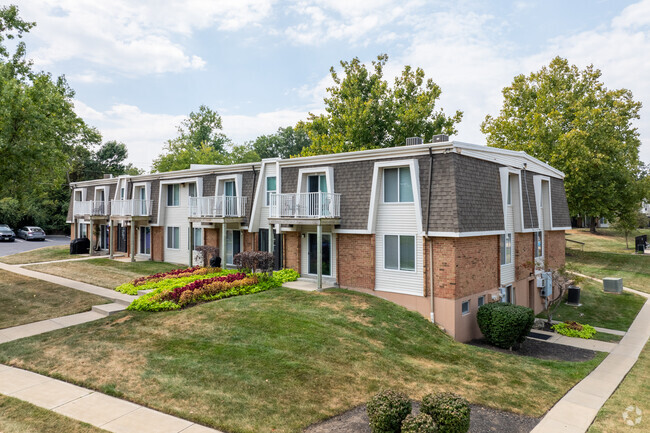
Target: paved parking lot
{"points": [[20, 245]]}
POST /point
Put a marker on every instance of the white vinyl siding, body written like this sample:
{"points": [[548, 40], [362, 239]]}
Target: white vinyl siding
{"points": [[508, 267], [176, 216], [397, 219]]}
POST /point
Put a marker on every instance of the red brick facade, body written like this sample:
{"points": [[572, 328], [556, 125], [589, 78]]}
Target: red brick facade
{"points": [[291, 251], [524, 255], [249, 240], [554, 249], [356, 260], [158, 244]]}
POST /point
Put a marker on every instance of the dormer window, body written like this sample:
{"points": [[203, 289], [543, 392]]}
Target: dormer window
{"points": [[397, 185]]}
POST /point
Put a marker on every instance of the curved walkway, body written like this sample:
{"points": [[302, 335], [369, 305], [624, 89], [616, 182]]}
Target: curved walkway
{"points": [[575, 412]]}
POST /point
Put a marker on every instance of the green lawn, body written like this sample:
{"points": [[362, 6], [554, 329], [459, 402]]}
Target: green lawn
{"points": [[284, 359], [45, 254], [26, 300], [103, 272], [606, 310], [633, 391], [606, 240], [18, 416], [634, 269]]}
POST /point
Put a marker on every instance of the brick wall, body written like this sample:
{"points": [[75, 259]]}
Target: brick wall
{"points": [[158, 244], [524, 255], [73, 231], [291, 251], [356, 260], [210, 237], [477, 266], [250, 241], [554, 251], [444, 267]]}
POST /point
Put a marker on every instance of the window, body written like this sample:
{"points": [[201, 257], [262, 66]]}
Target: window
{"points": [[506, 249], [122, 193], [539, 244], [83, 230], [78, 196], [233, 245], [263, 240], [465, 308], [173, 195], [399, 252], [270, 188], [397, 185], [509, 192], [145, 240], [173, 237], [192, 189], [510, 294], [481, 300]]}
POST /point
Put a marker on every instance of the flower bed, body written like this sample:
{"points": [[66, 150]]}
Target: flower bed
{"points": [[171, 279]]}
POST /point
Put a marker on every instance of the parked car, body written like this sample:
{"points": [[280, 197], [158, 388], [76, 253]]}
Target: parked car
{"points": [[31, 233], [6, 234]]}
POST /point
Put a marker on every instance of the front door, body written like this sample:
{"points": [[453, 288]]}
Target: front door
{"points": [[318, 203], [145, 240], [230, 201], [121, 238], [313, 254]]}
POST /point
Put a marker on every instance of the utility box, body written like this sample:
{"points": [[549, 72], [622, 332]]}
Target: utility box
{"points": [[547, 284], [613, 285]]}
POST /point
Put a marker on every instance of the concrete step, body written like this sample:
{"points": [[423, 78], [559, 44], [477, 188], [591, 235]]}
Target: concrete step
{"points": [[125, 302], [109, 309]]}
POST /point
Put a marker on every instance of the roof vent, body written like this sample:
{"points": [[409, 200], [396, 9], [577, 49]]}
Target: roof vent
{"points": [[108, 176], [440, 138], [413, 141]]}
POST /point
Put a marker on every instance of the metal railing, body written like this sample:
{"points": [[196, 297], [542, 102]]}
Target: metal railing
{"points": [[305, 205], [218, 207], [81, 208], [131, 207]]}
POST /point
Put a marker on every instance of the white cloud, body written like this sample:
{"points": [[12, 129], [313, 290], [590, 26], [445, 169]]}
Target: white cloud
{"points": [[132, 38]]}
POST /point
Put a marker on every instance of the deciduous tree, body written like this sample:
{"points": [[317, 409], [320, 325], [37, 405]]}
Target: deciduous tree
{"points": [[286, 142]]}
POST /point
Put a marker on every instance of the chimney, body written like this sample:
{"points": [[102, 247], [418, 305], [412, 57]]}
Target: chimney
{"points": [[440, 138], [413, 141]]}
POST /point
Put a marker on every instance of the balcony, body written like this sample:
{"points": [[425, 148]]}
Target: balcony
{"points": [[207, 208], [305, 207], [90, 208], [131, 208]]}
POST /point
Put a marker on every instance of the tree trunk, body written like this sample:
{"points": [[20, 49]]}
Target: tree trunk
{"points": [[592, 225]]}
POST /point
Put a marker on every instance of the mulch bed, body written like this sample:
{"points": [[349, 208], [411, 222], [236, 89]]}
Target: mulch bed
{"points": [[543, 350], [483, 420]]}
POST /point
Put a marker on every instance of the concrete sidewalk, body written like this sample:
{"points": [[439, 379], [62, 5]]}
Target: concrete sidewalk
{"points": [[100, 410], [599, 346], [575, 412], [77, 285]]}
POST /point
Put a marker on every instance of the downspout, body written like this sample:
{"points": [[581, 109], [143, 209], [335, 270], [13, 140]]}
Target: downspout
{"points": [[252, 199], [426, 233]]}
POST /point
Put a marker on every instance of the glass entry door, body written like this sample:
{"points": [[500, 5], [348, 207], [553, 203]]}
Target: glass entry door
{"points": [[313, 254], [230, 200], [318, 204], [145, 240]]}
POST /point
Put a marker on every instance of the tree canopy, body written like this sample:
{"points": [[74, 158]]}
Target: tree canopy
{"points": [[286, 142], [364, 112], [568, 118]]}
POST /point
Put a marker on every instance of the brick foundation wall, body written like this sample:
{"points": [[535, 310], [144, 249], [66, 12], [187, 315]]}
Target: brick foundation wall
{"points": [[477, 266], [356, 260], [291, 251], [158, 244], [444, 267], [524, 255], [554, 252]]}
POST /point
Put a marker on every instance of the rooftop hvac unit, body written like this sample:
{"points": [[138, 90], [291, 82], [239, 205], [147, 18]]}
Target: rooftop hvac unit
{"points": [[411, 141], [440, 138]]}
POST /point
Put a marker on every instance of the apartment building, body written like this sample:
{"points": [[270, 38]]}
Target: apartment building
{"points": [[440, 228]]}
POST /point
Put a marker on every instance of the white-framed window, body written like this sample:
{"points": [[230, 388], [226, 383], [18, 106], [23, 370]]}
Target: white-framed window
{"points": [[399, 252], [481, 300], [173, 238], [192, 189], [233, 245], [464, 309], [198, 237], [271, 187], [173, 195], [83, 230], [397, 185], [539, 244], [122, 193], [510, 295], [78, 195], [506, 249]]}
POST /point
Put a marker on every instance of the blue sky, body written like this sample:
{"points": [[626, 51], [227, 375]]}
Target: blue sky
{"points": [[138, 67]]}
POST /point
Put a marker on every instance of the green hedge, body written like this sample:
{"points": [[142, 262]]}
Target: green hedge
{"points": [[505, 325], [449, 411], [386, 411], [420, 423]]}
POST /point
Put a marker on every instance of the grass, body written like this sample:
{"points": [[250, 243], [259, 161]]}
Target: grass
{"points": [[45, 254], [634, 269], [103, 272], [610, 338], [17, 416], [284, 359], [633, 391], [25, 300], [606, 240], [605, 310]]}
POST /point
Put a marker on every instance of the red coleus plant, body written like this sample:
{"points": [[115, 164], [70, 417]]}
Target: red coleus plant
{"points": [[175, 294], [161, 275]]}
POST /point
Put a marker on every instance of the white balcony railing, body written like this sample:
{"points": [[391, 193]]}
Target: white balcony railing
{"points": [[81, 208], [305, 205], [131, 207], [218, 207]]}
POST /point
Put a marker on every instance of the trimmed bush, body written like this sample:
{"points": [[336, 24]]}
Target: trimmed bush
{"points": [[505, 325], [254, 261], [449, 411], [421, 423], [386, 411], [575, 329]]}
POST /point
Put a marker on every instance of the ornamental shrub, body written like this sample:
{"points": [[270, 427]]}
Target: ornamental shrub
{"points": [[449, 411], [575, 329], [505, 325], [421, 423], [254, 260], [285, 275], [386, 411]]}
